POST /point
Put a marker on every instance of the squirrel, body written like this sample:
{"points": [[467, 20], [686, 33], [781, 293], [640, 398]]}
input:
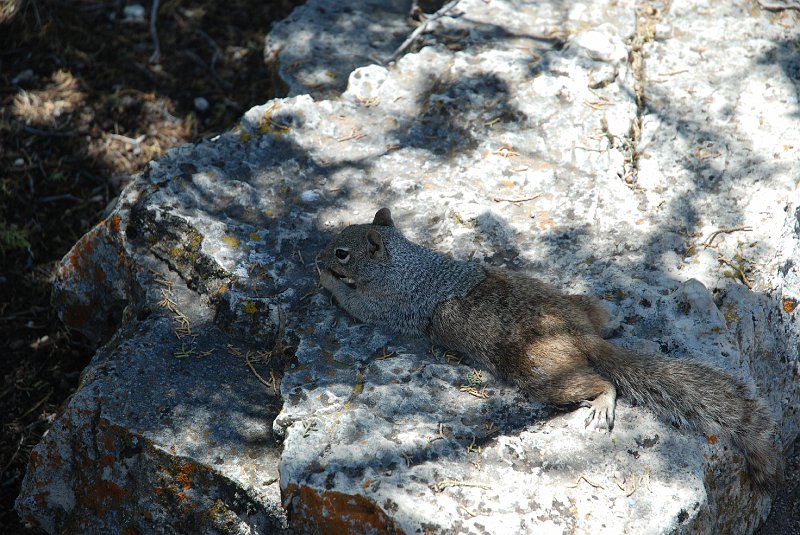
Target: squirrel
{"points": [[549, 343]]}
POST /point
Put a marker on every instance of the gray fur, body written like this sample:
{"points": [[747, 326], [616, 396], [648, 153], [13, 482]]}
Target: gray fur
{"points": [[400, 290]]}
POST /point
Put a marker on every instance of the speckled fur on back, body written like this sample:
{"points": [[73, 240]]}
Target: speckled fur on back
{"points": [[528, 332]]}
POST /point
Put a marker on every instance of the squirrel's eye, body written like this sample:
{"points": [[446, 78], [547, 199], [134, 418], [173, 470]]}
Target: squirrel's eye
{"points": [[342, 254]]}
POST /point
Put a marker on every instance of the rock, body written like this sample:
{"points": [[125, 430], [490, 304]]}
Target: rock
{"points": [[231, 395], [135, 449], [364, 83], [723, 158], [321, 42], [662, 31], [133, 13], [603, 44], [310, 196]]}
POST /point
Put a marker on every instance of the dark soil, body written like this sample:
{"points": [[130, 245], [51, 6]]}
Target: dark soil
{"points": [[83, 108]]}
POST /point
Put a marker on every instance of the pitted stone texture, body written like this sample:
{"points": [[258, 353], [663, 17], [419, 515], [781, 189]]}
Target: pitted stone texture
{"points": [[505, 139], [719, 150]]}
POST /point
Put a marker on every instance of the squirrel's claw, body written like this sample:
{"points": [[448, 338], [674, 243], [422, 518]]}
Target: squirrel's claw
{"points": [[601, 411]]}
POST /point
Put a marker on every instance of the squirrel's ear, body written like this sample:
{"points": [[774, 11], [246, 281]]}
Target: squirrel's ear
{"points": [[375, 244], [383, 217]]}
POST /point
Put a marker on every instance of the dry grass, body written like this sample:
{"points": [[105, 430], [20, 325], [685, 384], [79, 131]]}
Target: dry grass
{"points": [[82, 109]]}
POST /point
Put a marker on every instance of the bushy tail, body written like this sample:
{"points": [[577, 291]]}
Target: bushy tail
{"points": [[701, 396]]}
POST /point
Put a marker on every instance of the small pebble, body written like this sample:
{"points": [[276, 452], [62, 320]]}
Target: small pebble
{"points": [[133, 13], [201, 104], [663, 31], [310, 196]]}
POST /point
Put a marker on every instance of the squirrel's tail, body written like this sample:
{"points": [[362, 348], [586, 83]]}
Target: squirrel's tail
{"points": [[698, 395]]}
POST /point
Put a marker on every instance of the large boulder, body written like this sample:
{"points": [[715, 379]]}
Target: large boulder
{"points": [[604, 151]]}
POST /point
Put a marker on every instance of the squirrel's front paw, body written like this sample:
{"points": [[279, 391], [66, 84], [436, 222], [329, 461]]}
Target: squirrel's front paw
{"points": [[327, 280], [601, 410]]}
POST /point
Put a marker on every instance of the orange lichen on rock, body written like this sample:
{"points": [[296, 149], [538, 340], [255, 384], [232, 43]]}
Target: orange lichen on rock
{"points": [[94, 279], [99, 274], [80, 260], [102, 496], [108, 441], [79, 255], [184, 478], [41, 498], [334, 512], [113, 223]]}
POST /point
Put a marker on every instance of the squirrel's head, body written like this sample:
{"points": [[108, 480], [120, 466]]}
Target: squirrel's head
{"points": [[356, 255]]}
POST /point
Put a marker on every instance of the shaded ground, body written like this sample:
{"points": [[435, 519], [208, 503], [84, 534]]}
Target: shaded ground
{"points": [[784, 519], [82, 109]]}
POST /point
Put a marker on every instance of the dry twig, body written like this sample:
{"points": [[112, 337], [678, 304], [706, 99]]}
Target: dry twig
{"points": [[516, 200], [422, 28], [352, 135], [713, 235], [269, 384], [742, 277], [154, 34], [584, 478], [440, 486]]}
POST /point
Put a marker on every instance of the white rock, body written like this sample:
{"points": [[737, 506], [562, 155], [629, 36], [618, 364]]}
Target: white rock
{"points": [[133, 13], [310, 196], [602, 44], [201, 104], [663, 31], [365, 83]]}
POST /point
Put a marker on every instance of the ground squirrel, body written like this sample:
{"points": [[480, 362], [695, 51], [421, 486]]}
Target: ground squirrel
{"points": [[526, 331]]}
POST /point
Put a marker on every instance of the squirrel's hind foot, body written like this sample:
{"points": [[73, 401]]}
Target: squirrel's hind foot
{"points": [[601, 410]]}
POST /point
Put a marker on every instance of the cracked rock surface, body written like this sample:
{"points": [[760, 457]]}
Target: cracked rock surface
{"points": [[644, 154]]}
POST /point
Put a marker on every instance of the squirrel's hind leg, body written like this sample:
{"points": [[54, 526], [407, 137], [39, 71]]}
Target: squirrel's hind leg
{"points": [[580, 385], [596, 314]]}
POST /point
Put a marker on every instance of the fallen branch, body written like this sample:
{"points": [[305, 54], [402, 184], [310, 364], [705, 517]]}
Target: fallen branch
{"points": [[422, 28]]}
